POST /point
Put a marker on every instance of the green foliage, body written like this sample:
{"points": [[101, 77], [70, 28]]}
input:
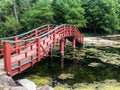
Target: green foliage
{"points": [[4, 11], [40, 13], [69, 11], [11, 26], [91, 15], [102, 15]]}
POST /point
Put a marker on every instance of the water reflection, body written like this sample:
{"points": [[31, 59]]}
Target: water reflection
{"points": [[83, 69]]}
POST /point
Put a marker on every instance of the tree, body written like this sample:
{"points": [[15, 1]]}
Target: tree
{"points": [[40, 13], [69, 11], [102, 15], [15, 11], [11, 26], [4, 10]]}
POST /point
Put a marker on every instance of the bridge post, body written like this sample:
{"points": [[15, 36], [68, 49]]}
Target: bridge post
{"points": [[54, 38], [65, 39], [70, 29], [82, 40], [74, 42], [62, 46], [36, 33], [38, 49], [0, 41], [16, 45], [7, 58], [62, 63], [1, 45], [50, 58], [48, 28]]}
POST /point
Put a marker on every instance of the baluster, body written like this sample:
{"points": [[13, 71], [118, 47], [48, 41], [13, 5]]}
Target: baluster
{"points": [[38, 50], [36, 33], [48, 29], [54, 38], [70, 30], [0, 41], [26, 46], [1, 51], [16, 45], [64, 31]]}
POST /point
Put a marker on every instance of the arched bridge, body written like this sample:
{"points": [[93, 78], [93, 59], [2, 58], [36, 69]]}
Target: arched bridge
{"points": [[20, 52]]}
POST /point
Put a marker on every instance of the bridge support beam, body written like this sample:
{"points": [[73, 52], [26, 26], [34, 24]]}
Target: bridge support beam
{"points": [[62, 47], [62, 63], [50, 59], [74, 42]]}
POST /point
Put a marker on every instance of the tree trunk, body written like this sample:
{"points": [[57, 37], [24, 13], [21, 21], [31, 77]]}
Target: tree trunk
{"points": [[15, 12]]}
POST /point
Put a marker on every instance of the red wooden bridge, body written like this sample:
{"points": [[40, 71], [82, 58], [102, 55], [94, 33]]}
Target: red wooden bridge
{"points": [[20, 52]]}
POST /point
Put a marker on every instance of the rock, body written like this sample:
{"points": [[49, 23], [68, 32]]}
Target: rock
{"points": [[94, 64], [60, 87], [4, 88], [62, 76], [7, 81], [65, 76], [18, 88], [12, 88], [29, 85], [45, 88], [70, 76]]}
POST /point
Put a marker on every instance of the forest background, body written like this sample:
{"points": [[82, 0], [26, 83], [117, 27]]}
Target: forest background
{"points": [[91, 16]]}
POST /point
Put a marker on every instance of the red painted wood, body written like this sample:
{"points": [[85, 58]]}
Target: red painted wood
{"points": [[44, 50], [74, 42], [48, 28], [62, 46], [38, 48], [7, 58], [16, 45], [36, 33], [54, 38], [0, 42], [70, 29]]}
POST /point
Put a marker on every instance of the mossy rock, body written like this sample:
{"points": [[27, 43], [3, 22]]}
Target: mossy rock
{"points": [[111, 87], [86, 88], [39, 81], [65, 76], [60, 87]]}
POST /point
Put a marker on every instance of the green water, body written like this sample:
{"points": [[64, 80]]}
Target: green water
{"points": [[78, 64]]}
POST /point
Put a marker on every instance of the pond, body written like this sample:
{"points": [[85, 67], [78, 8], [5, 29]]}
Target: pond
{"points": [[91, 64]]}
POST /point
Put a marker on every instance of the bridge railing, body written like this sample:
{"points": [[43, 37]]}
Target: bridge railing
{"points": [[21, 54], [30, 34]]}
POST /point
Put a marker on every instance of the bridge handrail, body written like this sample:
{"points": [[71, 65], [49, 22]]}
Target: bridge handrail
{"points": [[30, 39], [23, 34]]}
